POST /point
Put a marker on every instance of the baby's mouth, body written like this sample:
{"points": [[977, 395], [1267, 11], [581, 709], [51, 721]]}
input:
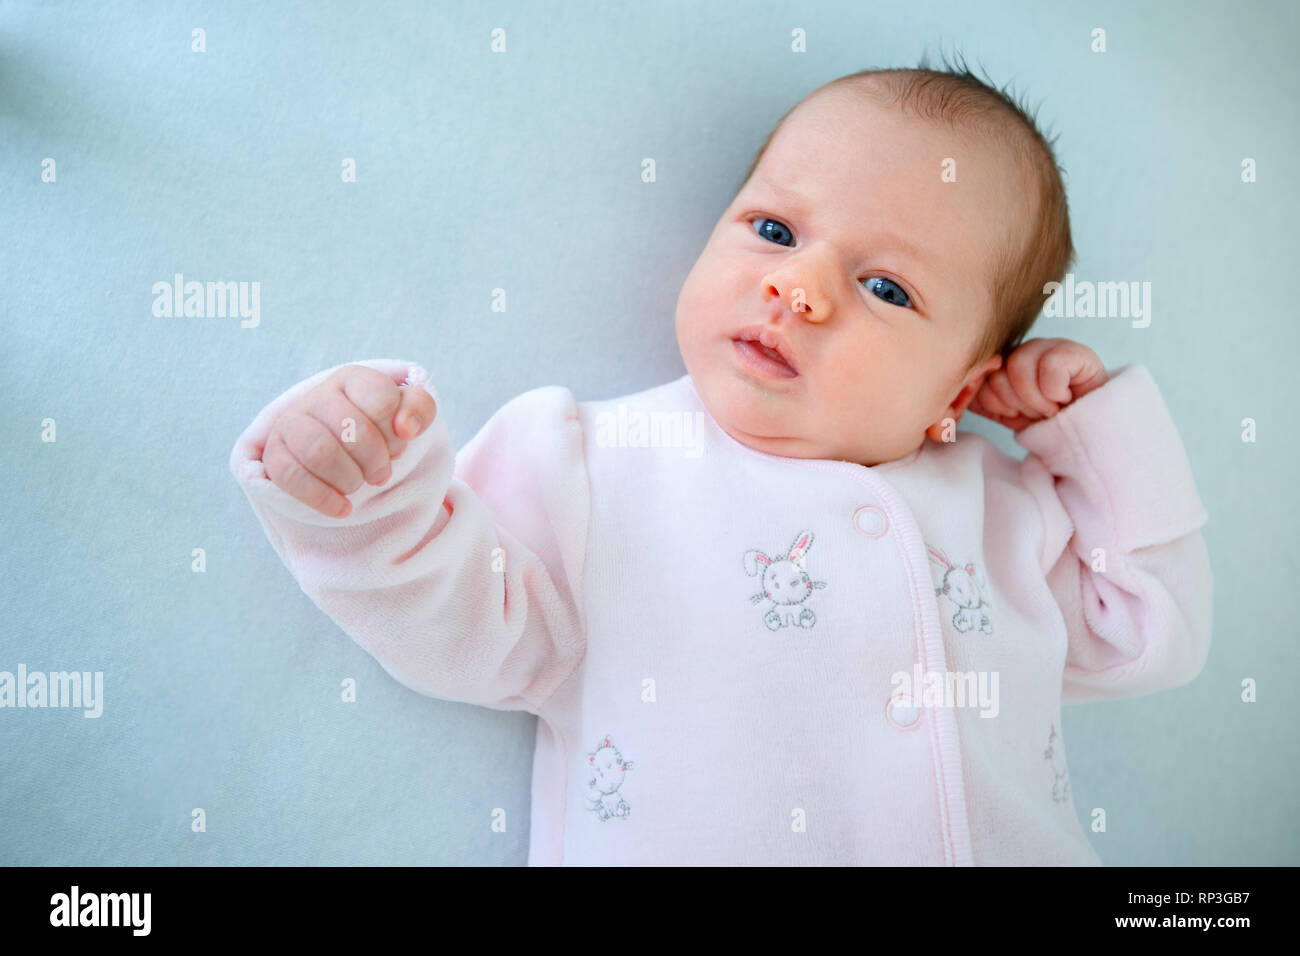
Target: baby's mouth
{"points": [[762, 359], [773, 354]]}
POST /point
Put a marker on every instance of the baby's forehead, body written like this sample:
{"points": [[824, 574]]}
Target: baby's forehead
{"points": [[846, 142], [987, 133], [969, 186]]}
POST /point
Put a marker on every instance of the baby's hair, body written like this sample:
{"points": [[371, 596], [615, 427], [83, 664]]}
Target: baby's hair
{"points": [[1028, 261]]}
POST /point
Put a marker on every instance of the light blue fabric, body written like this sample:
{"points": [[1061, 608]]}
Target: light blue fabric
{"points": [[521, 171]]}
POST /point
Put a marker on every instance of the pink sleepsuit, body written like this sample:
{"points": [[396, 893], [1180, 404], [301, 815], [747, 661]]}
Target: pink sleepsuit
{"points": [[737, 658]]}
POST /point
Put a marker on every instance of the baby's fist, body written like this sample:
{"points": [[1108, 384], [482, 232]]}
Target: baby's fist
{"points": [[342, 433], [1041, 377]]}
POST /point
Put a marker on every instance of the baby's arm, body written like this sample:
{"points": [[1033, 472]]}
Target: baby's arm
{"points": [[460, 574], [1122, 548]]}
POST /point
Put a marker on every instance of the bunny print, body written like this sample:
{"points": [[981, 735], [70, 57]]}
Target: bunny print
{"points": [[1060, 781], [606, 769], [964, 591], [785, 583]]}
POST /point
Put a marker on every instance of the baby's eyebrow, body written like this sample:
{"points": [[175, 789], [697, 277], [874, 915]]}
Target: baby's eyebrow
{"points": [[789, 195]]}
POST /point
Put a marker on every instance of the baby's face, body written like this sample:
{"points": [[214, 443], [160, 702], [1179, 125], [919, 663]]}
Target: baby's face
{"points": [[874, 274]]}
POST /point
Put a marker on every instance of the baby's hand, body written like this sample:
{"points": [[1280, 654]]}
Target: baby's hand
{"points": [[312, 453], [1041, 377]]}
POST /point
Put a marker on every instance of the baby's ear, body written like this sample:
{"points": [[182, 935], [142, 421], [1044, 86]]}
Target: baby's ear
{"points": [[974, 381], [935, 431], [970, 387], [755, 561]]}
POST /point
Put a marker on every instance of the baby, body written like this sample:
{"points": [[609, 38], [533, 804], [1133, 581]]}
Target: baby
{"points": [[837, 631]]}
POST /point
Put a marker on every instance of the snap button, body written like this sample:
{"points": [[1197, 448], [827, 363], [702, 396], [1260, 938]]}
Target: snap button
{"points": [[871, 521], [903, 713]]}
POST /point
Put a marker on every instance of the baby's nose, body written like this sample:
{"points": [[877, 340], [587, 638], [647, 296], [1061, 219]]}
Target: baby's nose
{"points": [[795, 297], [803, 281]]}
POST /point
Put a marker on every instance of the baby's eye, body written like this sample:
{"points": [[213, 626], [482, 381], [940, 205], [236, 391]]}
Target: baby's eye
{"points": [[776, 231], [894, 295], [772, 229]]}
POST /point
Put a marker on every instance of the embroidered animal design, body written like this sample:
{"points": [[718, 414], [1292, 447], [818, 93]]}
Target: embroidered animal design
{"points": [[1060, 778], [606, 769], [785, 583], [964, 591]]}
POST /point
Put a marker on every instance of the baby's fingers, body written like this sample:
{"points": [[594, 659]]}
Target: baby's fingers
{"points": [[295, 469], [416, 412], [1000, 385], [1022, 376], [378, 396], [987, 403], [361, 438], [1054, 374]]}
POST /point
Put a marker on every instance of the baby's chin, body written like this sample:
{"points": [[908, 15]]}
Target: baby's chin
{"points": [[782, 431], [762, 429]]}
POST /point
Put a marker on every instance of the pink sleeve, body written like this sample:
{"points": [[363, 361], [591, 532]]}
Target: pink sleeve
{"points": [[461, 574], [1122, 548]]}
